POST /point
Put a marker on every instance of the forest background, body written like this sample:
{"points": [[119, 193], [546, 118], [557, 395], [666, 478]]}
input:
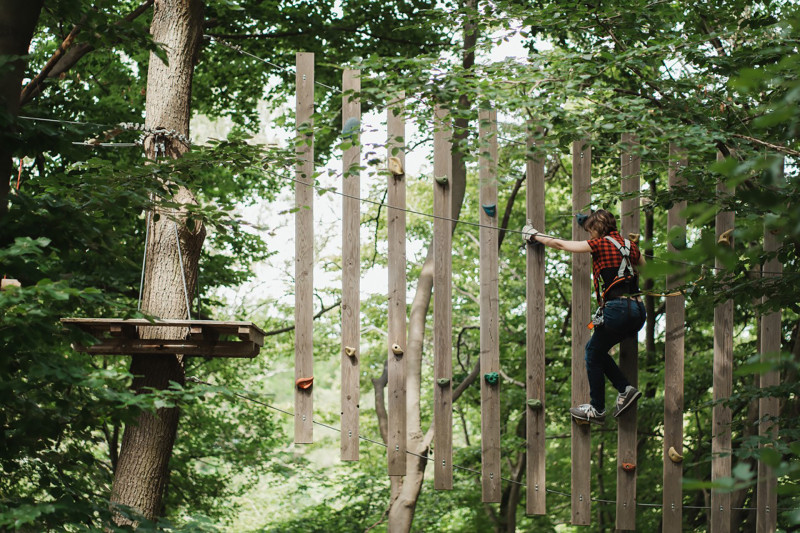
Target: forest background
{"points": [[721, 77]]}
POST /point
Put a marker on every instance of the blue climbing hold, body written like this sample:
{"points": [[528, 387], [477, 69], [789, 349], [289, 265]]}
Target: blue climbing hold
{"points": [[490, 210], [351, 127], [581, 218]]}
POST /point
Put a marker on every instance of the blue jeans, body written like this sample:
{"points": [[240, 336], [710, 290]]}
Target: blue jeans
{"points": [[622, 318]]}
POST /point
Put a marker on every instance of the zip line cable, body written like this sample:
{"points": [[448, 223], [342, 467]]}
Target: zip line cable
{"points": [[249, 396]]}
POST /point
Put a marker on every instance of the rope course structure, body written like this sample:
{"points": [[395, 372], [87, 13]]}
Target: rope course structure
{"points": [[120, 337]]}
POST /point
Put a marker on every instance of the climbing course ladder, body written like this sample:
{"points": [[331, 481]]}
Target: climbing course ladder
{"points": [[581, 272], [723, 381], [535, 342], [629, 348], [489, 314], [672, 501], [396, 339], [442, 303], [304, 252], [351, 263]]}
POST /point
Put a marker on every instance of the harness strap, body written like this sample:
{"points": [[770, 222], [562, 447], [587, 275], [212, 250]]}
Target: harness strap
{"points": [[625, 250]]}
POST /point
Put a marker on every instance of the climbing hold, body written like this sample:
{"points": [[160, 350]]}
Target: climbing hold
{"points": [[441, 180], [726, 237], [304, 383], [581, 218], [674, 456], [351, 128], [491, 378], [634, 237], [395, 166], [580, 421], [535, 403], [443, 382], [350, 351], [396, 349], [9, 282], [628, 467], [490, 210]]}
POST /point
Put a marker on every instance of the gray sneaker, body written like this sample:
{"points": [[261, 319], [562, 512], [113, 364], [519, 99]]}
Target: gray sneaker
{"points": [[626, 399], [585, 413]]}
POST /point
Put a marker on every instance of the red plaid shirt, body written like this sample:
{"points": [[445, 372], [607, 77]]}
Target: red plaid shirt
{"points": [[605, 266]]}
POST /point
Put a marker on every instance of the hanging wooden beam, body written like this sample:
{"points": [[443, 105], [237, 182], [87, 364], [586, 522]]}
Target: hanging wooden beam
{"points": [[442, 300], [351, 263], [397, 334], [769, 407], [723, 384], [630, 220], [672, 500], [489, 302], [535, 503], [119, 336], [304, 249], [581, 271]]}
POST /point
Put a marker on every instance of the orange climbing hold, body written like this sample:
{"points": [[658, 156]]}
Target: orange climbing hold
{"points": [[628, 467], [304, 383]]}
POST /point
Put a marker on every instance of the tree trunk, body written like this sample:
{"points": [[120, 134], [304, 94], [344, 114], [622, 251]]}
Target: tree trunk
{"points": [[142, 471], [17, 22], [407, 488]]}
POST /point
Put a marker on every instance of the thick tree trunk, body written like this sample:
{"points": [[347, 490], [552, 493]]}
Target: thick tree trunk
{"points": [[17, 22], [142, 471], [405, 491]]}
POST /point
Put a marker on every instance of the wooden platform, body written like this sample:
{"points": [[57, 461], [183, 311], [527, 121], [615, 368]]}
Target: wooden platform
{"points": [[206, 338]]}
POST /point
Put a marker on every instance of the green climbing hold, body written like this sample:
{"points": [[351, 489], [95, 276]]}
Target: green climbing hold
{"points": [[534, 403], [441, 180], [491, 378], [490, 210], [443, 382]]}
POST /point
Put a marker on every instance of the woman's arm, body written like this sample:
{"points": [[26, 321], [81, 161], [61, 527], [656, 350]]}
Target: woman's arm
{"points": [[576, 247]]}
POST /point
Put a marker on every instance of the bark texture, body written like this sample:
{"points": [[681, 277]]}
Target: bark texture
{"points": [[17, 22], [142, 470]]}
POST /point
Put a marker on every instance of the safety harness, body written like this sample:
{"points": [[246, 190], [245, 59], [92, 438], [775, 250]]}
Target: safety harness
{"points": [[624, 273]]}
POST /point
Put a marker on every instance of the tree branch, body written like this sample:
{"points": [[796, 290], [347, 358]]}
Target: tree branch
{"points": [[66, 56], [379, 384], [290, 328]]}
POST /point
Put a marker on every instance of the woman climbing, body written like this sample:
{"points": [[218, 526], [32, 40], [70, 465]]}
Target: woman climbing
{"points": [[620, 314]]}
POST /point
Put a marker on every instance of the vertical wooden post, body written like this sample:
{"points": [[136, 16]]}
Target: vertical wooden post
{"points": [[672, 501], [581, 271], [630, 163], [723, 384], [351, 264], [768, 407], [396, 196], [304, 248], [442, 296], [535, 341], [489, 302]]}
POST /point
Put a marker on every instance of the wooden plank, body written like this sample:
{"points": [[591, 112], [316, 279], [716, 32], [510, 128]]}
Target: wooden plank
{"points": [[442, 299], [396, 229], [723, 385], [489, 314], [630, 222], [581, 315], [351, 267], [535, 443], [188, 347], [769, 407], [672, 499], [304, 248], [223, 327]]}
